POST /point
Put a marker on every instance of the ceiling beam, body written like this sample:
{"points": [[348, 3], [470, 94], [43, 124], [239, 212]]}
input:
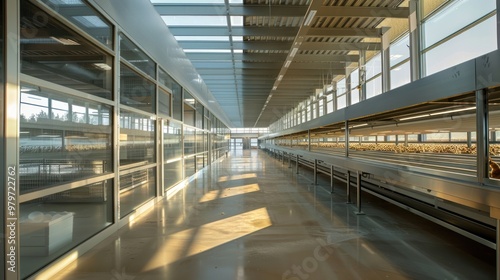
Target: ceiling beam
{"points": [[340, 46], [345, 32], [261, 57], [317, 57]]}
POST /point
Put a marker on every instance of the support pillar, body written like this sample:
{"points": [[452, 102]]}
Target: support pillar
{"points": [[297, 164], [415, 40], [482, 141], [358, 194], [332, 172], [315, 172], [346, 140], [362, 75], [386, 60], [348, 184]]}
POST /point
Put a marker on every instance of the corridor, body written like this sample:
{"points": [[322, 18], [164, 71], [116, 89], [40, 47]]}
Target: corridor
{"points": [[252, 217]]}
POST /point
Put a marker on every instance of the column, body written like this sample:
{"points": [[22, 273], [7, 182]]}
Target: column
{"points": [[362, 75], [347, 87], [386, 60], [482, 134], [415, 40]]}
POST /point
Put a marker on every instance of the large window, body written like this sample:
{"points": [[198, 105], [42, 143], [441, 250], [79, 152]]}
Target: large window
{"points": [[52, 52], [61, 138], [51, 225], [454, 17], [136, 91], [472, 43], [137, 139], [86, 18], [136, 188], [135, 56], [172, 140], [176, 93]]}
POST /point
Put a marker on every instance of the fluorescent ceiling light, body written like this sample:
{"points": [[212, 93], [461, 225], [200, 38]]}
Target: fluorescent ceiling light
{"points": [[275, 87], [309, 17], [414, 117], [102, 66], [294, 51], [287, 63], [65, 41], [280, 77], [453, 111]]}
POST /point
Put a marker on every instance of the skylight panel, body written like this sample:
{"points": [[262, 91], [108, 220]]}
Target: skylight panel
{"points": [[195, 20], [202, 38]]}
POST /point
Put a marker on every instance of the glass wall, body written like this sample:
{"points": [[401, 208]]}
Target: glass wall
{"points": [[137, 139], [70, 141], [459, 23], [54, 53], [52, 224], [61, 139], [136, 188]]}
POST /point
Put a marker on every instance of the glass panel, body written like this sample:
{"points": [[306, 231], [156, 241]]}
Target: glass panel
{"points": [[137, 139], [373, 67], [454, 17], [341, 87], [136, 188], [199, 115], [82, 15], [189, 141], [494, 139], [61, 139], [189, 166], [136, 91], [134, 55], [400, 75], [400, 50], [52, 52], [200, 161], [374, 87], [173, 173], [189, 115], [164, 102], [341, 102], [172, 140], [52, 225], [479, 40], [176, 91]]}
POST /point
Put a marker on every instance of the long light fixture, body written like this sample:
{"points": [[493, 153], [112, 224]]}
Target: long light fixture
{"points": [[65, 41], [309, 17], [287, 63], [438, 113], [293, 52]]}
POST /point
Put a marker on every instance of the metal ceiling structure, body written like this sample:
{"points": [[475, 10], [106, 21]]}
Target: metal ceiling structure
{"points": [[282, 52]]}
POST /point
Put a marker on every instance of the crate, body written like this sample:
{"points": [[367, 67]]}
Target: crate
{"points": [[45, 238]]}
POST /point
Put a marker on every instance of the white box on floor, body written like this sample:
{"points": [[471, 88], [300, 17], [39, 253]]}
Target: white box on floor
{"points": [[42, 238]]}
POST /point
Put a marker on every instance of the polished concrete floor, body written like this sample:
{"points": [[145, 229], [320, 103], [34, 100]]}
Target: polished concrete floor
{"points": [[252, 217]]}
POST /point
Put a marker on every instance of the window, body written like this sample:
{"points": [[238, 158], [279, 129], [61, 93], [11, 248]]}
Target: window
{"points": [[61, 139], [54, 53]]}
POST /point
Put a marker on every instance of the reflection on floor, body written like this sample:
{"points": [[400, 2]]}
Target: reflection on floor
{"points": [[251, 217]]}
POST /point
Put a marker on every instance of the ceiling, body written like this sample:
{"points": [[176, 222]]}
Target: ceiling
{"points": [[263, 57]]}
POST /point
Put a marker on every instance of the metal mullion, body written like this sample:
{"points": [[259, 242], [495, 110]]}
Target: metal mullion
{"points": [[64, 187], [62, 89], [74, 27], [116, 128], [137, 111], [139, 71], [11, 139], [135, 169]]}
